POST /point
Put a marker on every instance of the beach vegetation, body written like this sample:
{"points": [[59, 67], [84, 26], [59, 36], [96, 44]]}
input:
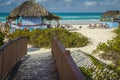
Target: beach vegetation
{"points": [[99, 70], [1, 38], [42, 38], [87, 73], [111, 50], [96, 61]]}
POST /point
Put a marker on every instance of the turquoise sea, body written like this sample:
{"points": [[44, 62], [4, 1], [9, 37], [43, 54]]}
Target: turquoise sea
{"points": [[79, 16], [67, 17], [3, 16]]}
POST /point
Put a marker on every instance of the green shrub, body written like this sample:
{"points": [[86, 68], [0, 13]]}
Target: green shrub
{"points": [[117, 31], [1, 38], [42, 38], [96, 61], [111, 49], [101, 71], [19, 33], [111, 45], [87, 73]]}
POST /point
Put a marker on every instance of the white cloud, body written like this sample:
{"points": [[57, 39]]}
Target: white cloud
{"points": [[39, 1], [8, 3], [109, 3], [12, 2], [88, 3]]}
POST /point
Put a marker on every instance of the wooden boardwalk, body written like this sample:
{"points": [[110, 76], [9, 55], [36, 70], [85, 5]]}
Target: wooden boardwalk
{"points": [[35, 67], [40, 65]]}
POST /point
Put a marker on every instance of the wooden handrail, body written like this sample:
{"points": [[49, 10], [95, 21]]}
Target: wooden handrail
{"points": [[66, 66], [10, 54]]}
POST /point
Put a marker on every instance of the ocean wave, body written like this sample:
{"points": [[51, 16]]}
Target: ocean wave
{"points": [[82, 20], [80, 16], [2, 17], [72, 19]]}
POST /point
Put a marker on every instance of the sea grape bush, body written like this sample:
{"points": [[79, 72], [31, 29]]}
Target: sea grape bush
{"points": [[42, 38]]}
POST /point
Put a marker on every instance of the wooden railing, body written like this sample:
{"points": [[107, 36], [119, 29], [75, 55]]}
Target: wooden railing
{"points": [[66, 66], [10, 54]]}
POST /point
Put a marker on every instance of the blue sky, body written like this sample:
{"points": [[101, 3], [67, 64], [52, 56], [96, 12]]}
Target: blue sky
{"points": [[66, 5]]}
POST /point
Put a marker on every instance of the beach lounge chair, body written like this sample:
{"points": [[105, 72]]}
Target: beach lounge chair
{"points": [[92, 25], [106, 26], [101, 26]]}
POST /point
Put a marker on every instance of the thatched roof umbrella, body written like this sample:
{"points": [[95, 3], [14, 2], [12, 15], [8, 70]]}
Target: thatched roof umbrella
{"points": [[53, 17], [110, 14], [32, 9], [57, 18], [29, 8]]}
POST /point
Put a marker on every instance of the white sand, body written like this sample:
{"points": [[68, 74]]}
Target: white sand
{"points": [[95, 36], [32, 50]]}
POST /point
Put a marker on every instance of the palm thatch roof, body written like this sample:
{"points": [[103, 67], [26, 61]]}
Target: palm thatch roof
{"points": [[110, 14], [29, 8], [53, 17]]}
